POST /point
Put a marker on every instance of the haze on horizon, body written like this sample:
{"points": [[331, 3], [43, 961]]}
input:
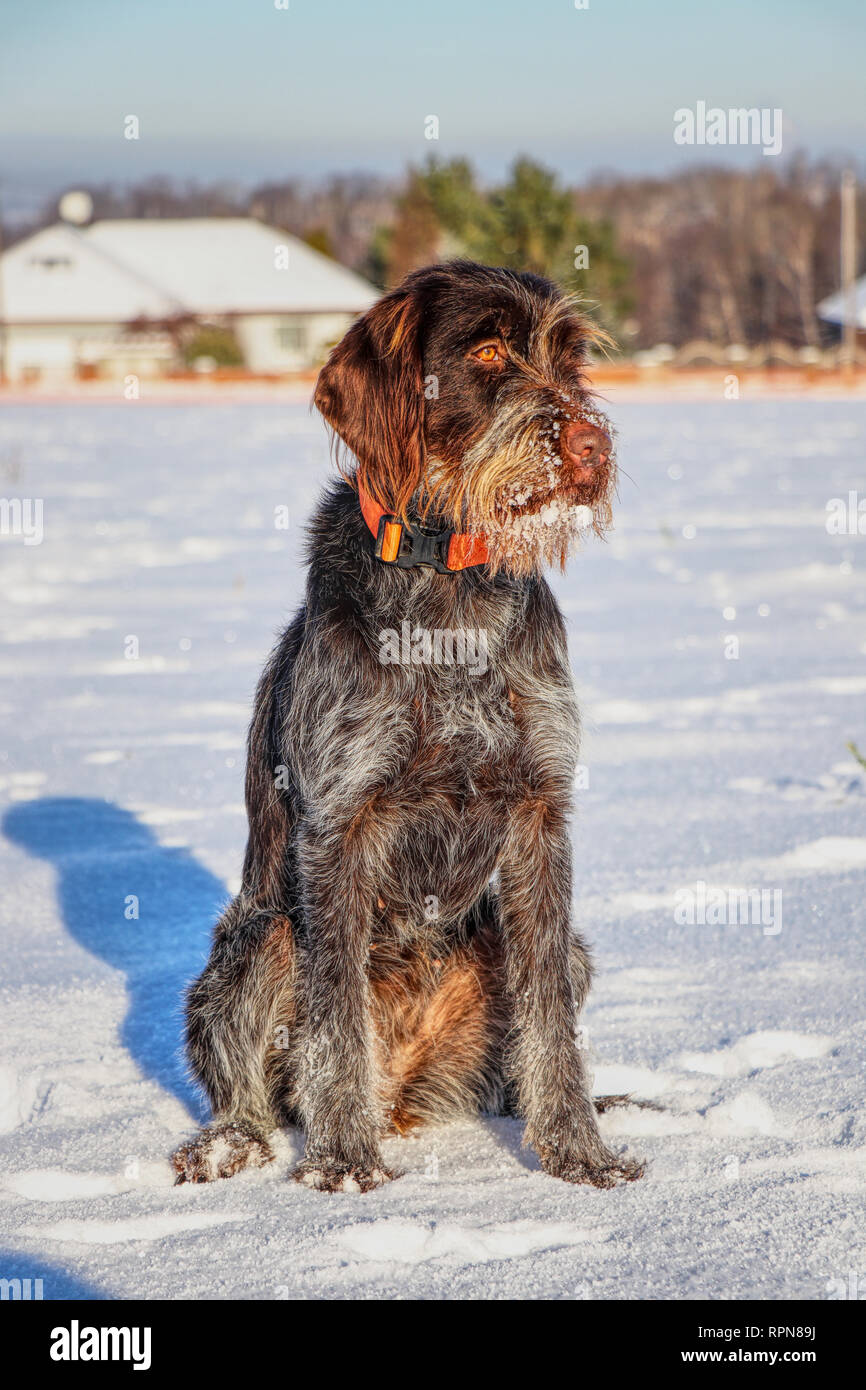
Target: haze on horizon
{"points": [[243, 93]]}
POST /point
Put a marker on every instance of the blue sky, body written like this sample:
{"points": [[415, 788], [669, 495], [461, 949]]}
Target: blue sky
{"points": [[238, 89]]}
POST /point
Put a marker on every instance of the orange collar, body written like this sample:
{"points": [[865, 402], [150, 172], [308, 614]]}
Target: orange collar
{"points": [[445, 551]]}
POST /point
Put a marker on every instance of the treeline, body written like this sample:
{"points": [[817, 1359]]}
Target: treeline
{"points": [[716, 254]]}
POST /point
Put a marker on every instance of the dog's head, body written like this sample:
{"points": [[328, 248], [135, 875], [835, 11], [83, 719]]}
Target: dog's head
{"points": [[462, 394]]}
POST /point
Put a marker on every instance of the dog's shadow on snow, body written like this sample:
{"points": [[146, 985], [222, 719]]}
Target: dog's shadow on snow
{"points": [[41, 1280], [143, 908]]}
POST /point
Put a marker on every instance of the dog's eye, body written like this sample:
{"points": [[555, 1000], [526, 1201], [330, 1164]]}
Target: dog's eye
{"points": [[489, 352]]}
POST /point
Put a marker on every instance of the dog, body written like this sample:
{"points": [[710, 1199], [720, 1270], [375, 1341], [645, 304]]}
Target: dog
{"points": [[400, 951]]}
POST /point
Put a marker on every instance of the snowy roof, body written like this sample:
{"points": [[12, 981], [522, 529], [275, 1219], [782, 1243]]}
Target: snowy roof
{"points": [[834, 309], [56, 276], [120, 270]]}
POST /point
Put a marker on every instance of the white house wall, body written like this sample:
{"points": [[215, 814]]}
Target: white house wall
{"points": [[41, 351], [53, 353], [259, 336]]}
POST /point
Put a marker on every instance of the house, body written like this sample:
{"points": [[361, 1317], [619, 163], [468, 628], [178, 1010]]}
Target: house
{"points": [[121, 296]]}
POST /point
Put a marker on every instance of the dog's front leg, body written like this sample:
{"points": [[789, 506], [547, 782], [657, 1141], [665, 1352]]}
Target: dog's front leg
{"points": [[337, 1095], [552, 1089]]}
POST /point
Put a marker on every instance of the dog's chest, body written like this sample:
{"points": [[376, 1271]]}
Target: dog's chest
{"points": [[465, 734], [454, 791], [461, 710]]}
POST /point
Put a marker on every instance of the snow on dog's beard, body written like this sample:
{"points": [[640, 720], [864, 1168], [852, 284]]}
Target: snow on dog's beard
{"points": [[530, 541], [513, 485]]}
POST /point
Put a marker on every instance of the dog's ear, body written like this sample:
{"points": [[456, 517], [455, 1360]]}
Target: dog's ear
{"points": [[371, 392]]}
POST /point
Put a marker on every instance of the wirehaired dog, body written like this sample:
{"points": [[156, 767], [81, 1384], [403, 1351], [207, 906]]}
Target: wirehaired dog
{"points": [[401, 950]]}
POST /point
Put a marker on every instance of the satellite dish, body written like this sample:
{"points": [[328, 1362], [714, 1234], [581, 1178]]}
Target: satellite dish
{"points": [[76, 206]]}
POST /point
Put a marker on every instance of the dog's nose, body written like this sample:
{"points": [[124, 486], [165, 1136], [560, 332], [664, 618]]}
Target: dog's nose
{"points": [[585, 446]]}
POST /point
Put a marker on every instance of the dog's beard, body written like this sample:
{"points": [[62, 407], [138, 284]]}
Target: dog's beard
{"points": [[513, 487], [528, 541]]}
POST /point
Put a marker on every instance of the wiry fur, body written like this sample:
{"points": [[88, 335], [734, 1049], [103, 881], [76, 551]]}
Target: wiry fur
{"points": [[335, 996]]}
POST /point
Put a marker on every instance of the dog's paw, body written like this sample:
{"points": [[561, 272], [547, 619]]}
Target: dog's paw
{"points": [[608, 1171], [324, 1176], [220, 1152]]}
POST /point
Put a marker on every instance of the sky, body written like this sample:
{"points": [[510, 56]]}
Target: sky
{"points": [[240, 90]]}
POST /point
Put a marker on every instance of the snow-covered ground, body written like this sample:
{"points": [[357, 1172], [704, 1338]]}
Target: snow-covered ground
{"points": [[132, 638]]}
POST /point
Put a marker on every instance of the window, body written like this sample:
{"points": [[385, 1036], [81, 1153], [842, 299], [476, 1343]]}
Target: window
{"points": [[292, 335]]}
